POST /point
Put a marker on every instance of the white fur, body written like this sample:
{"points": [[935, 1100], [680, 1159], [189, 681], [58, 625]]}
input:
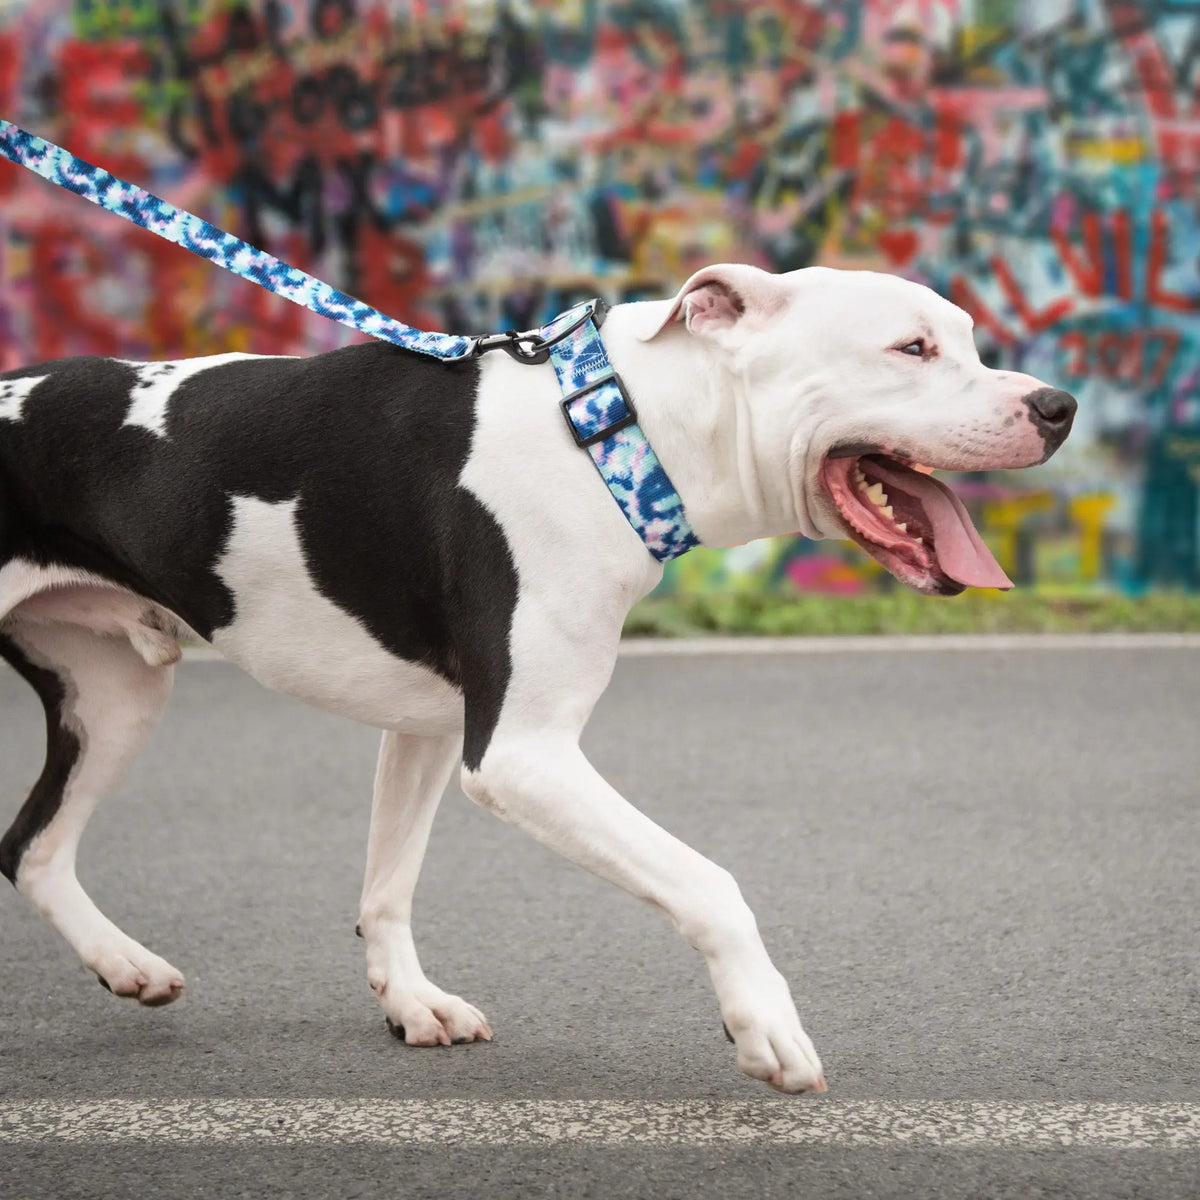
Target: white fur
{"points": [[113, 705], [409, 782], [14, 393], [290, 638], [148, 407]]}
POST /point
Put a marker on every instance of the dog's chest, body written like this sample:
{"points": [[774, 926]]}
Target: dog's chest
{"points": [[295, 640]]}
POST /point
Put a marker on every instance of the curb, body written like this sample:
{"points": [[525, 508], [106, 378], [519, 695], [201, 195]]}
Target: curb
{"points": [[879, 643]]}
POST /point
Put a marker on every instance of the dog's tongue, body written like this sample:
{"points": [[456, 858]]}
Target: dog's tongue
{"points": [[961, 552]]}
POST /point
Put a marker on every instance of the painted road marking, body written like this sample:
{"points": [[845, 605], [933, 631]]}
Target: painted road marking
{"points": [[879, 643], [808, 1121]]}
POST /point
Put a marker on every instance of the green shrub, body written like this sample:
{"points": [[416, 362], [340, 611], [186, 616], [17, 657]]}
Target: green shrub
{"points": [[741, 613]]}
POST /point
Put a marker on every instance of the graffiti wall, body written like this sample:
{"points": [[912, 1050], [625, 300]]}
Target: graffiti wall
{"points": [[481, 165]]}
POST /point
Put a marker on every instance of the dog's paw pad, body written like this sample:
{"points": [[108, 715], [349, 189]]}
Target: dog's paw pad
{"points": [[397, 1031], [149, 999]]}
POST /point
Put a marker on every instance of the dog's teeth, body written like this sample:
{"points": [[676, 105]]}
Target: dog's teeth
{"points": [[887, 511], [919, 541], [876, 495], [902, 526]]}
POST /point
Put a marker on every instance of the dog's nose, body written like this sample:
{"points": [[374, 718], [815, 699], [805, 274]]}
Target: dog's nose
{"points": [[1053, 410]]}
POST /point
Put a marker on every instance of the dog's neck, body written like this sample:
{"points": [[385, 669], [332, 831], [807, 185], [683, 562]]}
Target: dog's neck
{"points": [[727, 457]]}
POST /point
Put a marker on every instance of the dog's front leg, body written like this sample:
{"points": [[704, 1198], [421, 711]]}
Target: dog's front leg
{"points": [[409, 781], [541, 782]]}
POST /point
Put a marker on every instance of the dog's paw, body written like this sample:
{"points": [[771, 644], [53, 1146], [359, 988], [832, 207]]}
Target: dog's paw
{"points": [[772, 1045], [432, 1017], [134, 973]]}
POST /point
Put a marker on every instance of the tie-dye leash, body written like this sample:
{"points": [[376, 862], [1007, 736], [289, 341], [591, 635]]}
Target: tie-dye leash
{"points": [[597, 408]]}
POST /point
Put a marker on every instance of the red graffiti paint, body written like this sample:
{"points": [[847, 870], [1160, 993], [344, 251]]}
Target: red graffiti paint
{"points": [[100, 109], [1156, 291], [965, 296], [1140, 358], [1032, 322]]}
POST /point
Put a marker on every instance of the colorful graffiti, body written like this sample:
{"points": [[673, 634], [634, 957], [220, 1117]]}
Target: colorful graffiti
{"points": [[483, 165]]}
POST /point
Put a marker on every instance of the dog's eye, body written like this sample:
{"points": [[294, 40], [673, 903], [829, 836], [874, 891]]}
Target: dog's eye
{"points": [[916, 348]]}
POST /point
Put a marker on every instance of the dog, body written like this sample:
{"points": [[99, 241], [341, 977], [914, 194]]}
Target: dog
{"points": [[421, 546]]}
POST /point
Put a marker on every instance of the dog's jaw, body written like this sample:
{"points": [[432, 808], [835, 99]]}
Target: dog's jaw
{"points": [[910, 523]]}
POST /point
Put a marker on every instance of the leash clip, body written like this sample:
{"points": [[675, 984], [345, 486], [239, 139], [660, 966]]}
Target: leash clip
{"points": [[514, 344], [534, 347]]}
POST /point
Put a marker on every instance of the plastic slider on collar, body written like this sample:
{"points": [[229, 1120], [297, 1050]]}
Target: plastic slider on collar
{"points": [[589, 427]]}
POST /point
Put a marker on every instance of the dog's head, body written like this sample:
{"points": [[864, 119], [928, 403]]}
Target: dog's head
{"points": [[864, 379]]}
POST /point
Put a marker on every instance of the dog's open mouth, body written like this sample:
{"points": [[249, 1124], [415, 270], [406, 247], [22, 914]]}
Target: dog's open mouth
{"points": [[911, 523]]}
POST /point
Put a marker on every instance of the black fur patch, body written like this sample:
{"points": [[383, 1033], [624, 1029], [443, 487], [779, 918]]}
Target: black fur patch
{"points": [[63, 748], [370, 440]]}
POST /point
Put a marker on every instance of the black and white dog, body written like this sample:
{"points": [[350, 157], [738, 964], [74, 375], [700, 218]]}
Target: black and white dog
{"points": [[422, 547]]}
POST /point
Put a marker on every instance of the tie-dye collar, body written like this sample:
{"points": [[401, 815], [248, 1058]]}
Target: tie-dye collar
{"points": [[602, 419], [597, 408]]}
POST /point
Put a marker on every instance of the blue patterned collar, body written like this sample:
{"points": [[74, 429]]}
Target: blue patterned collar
{"points": [[604, 422]]}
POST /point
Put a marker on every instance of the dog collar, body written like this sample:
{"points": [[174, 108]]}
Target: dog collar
{"points": [[598, 410], [603, 421]]}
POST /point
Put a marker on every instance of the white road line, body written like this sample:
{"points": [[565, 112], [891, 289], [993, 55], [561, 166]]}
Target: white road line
{"points": [[805, 1121], [879, 643]]}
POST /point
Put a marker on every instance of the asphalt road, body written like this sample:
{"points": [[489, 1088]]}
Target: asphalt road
{"points": [[977, 868]]}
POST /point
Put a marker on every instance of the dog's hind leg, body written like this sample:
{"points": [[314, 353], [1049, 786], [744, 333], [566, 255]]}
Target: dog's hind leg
{"points": [[409, 781], [102, 702]]}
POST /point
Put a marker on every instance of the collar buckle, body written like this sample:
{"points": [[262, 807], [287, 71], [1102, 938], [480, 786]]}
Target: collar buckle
{"points": [[604, 433]]}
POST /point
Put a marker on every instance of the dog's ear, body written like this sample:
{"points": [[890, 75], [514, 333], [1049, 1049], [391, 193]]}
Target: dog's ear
{"points": [[717, 302]]}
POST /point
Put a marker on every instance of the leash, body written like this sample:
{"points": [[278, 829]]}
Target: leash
{"points": [[193, 233], [598, 410]]}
